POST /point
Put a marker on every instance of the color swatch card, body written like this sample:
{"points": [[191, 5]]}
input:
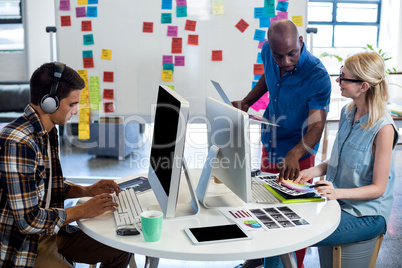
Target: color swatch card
{"points": [[288, 187], [242, 217]]}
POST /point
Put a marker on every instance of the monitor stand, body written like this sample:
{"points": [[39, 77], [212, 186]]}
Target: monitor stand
{"points": [[194, 200], [184, 209], [221, 190]]}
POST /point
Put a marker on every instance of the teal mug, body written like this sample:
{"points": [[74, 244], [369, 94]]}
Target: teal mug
{"points": [[151, 222]]}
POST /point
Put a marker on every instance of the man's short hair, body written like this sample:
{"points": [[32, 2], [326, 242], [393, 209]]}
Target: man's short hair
{"points": [[42, 79]]}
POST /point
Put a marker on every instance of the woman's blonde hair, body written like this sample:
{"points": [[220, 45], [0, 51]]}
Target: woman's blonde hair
{"points": [[370, 67]]}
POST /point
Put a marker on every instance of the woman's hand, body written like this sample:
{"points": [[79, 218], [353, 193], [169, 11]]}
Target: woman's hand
{"points": [[326, 190]]}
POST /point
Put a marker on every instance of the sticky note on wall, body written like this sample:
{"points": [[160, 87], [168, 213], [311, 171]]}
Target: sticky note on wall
{"points": [[298, 20], [258, 68], [106, 54], [64, 5], [242, 25], [217, 55], [176, 45], [65, 21], [147, 27], [167, 75]]}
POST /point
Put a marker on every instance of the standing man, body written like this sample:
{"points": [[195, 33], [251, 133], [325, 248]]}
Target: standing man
{"points": [[33, 222], [299, 91]]}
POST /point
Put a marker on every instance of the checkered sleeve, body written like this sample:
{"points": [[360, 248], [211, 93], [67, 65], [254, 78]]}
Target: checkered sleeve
{"points": [[24, 178]]}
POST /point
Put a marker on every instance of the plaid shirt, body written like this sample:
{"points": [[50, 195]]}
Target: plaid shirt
{"points": [[24, 171]]}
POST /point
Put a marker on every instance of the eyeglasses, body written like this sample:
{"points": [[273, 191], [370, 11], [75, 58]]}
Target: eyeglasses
{"points": [[347, 79]]}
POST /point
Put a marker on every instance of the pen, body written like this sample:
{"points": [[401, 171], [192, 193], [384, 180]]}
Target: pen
{"points": [[316, 185]]}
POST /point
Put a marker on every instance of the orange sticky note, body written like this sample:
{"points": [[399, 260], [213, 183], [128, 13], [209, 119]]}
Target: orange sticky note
{"points": [[108, 94], [258, 68], [88, 62], [176, 45], [216, 55], [108, 107], [86, 25], [65, 21], [148, 27], [190, 25], [242, 25], [108, 77], [193, 39]]}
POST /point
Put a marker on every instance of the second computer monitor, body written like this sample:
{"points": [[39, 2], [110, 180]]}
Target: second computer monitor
{"points": [[228, 129]]}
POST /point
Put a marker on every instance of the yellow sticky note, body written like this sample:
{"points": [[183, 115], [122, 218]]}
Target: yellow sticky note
{"points": [[82, 2], [106, 54], [83, 74], [83, 134], [167, 75], [83, 123], [298, 20], [218, 9]]}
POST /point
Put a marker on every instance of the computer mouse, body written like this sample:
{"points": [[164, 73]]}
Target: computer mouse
{"points": [[127, 230]]}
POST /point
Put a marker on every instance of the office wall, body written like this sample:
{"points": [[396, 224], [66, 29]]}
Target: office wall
{"points": [[136, 59]]}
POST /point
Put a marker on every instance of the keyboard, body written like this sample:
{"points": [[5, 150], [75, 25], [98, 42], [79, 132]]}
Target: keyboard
{"points": [[260, 194], [128, 214]]}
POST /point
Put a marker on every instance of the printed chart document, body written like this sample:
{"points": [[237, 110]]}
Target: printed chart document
{"points": [[264, 218]]}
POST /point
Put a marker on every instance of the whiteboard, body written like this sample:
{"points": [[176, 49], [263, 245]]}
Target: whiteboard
{"points": [[137, 56]]}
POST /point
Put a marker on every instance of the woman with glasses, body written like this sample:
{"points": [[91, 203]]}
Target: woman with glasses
{"points": [[360, 173]]}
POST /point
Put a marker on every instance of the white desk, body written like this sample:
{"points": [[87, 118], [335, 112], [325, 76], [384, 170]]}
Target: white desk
{"points": [[323, 218]]}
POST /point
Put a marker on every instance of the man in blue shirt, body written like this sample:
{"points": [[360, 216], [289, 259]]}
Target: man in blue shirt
{"points": [[299, 91]]}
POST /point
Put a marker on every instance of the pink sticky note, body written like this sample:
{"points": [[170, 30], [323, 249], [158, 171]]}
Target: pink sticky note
{"points": [[262, 103], [261, 43], [172, 31], [64, 5], [274, 19], [178, 60], [282, 15], [181, 3], [167, 59], [80, 12]]}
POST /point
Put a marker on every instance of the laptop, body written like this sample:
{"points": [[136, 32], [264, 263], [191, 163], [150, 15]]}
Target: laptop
{"points": [[254, 118]]}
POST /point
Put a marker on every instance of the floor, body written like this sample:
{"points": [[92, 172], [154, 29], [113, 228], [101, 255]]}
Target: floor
{"points": [[79, 166]]}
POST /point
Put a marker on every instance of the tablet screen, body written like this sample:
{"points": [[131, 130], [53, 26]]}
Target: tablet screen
{"points": [[216, 233]]}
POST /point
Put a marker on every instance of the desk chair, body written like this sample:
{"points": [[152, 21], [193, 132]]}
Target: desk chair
{"points": [[359, 254]]}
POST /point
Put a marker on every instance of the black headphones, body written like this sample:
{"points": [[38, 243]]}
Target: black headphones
{"points": [[50, 103]]}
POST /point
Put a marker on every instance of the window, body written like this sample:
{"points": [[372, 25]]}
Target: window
{"points": [[345, 23], [11, 27]]}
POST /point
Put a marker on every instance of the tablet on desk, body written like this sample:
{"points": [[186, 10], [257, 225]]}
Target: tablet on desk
{"points": [[215, 234]]}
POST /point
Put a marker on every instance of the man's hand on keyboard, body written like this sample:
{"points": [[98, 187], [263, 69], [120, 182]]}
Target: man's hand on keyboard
{"points": [[103, 186], [98, 205], [95, 206]]}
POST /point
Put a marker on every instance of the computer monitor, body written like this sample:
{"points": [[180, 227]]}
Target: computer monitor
{"points": [[166, 159], [229, 156]]}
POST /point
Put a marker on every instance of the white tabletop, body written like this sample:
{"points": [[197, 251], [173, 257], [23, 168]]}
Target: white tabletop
{"points": [[174, 244]]}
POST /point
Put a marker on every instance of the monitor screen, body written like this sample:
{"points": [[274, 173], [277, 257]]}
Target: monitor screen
{"points": [[164, 137], [167, 148], [229, 131]]}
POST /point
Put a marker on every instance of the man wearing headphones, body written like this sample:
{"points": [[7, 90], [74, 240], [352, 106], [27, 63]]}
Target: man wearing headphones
{"points": [[34, 226]]}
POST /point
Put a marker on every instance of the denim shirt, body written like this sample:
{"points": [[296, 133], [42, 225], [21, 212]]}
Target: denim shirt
{"points": [[352, 162], [291, 96]]}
